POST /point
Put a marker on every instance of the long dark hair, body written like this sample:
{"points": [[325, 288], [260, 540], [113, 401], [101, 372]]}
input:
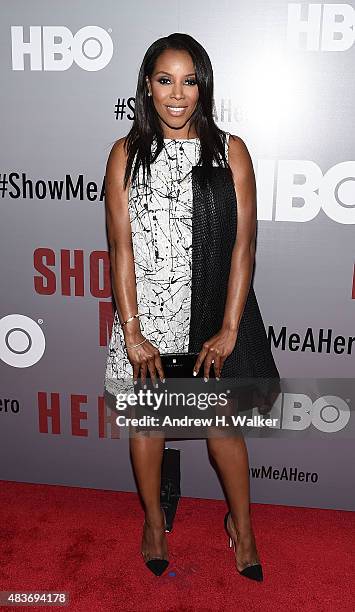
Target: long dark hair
{"points": [[146, 126]]}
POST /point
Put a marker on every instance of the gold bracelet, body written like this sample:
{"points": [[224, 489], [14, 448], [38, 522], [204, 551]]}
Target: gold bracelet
{"points": [[130, 319], [134, 345]]}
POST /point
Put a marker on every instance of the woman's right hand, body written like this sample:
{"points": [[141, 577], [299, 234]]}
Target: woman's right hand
{"points": [[145, 357]]}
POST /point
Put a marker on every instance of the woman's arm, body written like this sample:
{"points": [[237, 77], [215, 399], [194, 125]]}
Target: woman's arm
{"points": [[145, 356], [120, 242], [243, 255]]}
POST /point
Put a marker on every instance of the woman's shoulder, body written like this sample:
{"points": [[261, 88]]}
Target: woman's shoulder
{"points": [[116, 162], [119, 147], [235, 142], [238, 152]]}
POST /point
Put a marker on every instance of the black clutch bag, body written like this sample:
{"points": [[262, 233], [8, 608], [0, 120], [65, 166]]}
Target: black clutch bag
{"points": [[180, 365]]}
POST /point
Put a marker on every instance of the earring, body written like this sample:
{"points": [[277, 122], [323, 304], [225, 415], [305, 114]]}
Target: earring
{"points": [[149, 94]]}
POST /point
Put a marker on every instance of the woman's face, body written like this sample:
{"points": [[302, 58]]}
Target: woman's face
{"points": [[174, 91]]}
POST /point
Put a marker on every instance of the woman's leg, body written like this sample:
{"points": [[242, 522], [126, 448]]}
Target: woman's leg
{"points": [[231, 456], [147, 453]]}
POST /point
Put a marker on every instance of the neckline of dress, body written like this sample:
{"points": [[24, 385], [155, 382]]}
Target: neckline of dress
{"points": [[180, 139]]}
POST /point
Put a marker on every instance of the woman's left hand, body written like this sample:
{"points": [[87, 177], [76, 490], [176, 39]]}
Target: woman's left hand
{"points": [[216, 350]]}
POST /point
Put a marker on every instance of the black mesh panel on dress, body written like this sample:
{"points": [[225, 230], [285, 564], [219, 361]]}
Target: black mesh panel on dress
{"points": [[214, 226]]}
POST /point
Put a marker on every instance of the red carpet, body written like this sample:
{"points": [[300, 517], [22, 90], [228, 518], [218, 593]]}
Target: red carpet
{"points": [[87, 542]]}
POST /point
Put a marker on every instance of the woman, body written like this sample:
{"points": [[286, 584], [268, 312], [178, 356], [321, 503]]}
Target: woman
{"points": [[171, 159]]}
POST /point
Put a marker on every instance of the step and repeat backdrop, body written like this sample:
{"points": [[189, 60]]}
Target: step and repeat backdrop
{"points": [[284, 83]]}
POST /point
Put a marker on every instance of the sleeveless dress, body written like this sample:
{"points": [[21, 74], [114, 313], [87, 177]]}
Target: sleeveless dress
{"points": [[161, 223], [179, 234]]}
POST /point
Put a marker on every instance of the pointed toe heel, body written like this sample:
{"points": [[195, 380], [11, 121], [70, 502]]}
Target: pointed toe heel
{"points": [[253, 572], [157, 566]]}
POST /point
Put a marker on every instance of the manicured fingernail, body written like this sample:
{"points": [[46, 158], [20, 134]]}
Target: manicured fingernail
{"points": [[163, 380], [144, 386], [217, 378], [194, 373], [205, 379], [135, 382], [156, 385]]}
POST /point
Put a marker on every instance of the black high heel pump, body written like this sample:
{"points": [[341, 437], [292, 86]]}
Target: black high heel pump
{"points": [[157, 565], [254, 571]]}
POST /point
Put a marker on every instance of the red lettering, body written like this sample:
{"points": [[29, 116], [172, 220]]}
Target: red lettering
{"points": [[78, 415], [76, 272], [40, 256], [50, 416], [72, 266], [52, 413], [99, 260]]}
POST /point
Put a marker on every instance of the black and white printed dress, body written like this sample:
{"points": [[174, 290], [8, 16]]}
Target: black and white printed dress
{"points": [[183, 235]]}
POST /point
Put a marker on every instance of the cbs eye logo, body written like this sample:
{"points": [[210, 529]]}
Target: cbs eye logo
{"points": [[22, 342]]}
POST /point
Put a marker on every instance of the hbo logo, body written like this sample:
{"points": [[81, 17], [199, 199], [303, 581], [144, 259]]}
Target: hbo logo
{"points": [[91, 48], [328, 413], [334, 32]]}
